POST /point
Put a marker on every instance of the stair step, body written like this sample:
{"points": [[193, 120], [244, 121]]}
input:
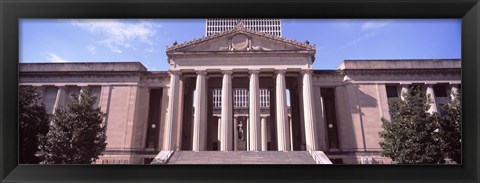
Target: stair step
{"points": [[241, 157]]}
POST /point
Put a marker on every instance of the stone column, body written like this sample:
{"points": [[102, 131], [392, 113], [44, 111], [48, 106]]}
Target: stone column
{"points": [[309, 110], [83, 89], [200, 118], [321, 120], [247, 136], [264, 134], [281, 112], [226, 137], [290, 134], [60, 99], [41, 90], [219, 130], [235, 133], [254, 115], [171, 117], [433, 104], [453, 91], [403, 90]]}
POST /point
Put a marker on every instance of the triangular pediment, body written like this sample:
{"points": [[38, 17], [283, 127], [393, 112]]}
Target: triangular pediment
{"points": [[240, 39]]}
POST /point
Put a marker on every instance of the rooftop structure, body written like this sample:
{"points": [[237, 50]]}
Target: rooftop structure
{"points": [[270, 26]]}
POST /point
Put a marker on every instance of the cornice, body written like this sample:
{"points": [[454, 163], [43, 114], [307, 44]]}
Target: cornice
{"points": [[400, 71]]}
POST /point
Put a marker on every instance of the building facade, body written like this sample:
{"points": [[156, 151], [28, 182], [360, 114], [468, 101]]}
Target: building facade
{"points": [[244, 90]]}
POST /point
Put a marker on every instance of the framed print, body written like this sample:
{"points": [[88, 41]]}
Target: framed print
{"points": [[111, 91]]}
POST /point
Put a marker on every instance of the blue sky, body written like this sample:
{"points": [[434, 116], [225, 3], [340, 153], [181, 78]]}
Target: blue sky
{"points": [[76, 40]]}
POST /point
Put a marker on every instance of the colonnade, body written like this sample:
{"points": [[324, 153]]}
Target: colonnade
{"points": [[430, 92], [61, 94], [257, 125]]}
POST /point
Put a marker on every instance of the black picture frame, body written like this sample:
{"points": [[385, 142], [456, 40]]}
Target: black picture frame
{"points": [[11, 11]]}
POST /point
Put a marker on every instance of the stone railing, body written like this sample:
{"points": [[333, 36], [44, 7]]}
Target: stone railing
{"points": [[318, 156], [162, 157]]}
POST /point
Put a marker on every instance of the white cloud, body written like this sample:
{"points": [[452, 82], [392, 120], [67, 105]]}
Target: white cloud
{"points": [[358, 40], [150, 50], [373, 25], [51, 57], [91, 49], [371, 28], [118, 34]]}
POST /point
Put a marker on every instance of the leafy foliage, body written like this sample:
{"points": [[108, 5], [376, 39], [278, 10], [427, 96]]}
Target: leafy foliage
{"points": [[33, 124], [451, 128], [411, 137], [76, 134]]}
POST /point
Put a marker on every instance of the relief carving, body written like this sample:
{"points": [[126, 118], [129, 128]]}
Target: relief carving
{"points": [[241, 42]]}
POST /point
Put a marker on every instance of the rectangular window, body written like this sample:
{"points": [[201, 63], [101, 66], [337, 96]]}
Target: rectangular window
{"points": [[217, 98], [392, 91]]}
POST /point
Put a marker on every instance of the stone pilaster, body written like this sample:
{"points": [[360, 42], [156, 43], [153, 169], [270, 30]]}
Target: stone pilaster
{"points": [[281, 111], [200, 118], [171, 118], [264, 134], [431, 96], [309, 110], [254, 115], [227, 113]]}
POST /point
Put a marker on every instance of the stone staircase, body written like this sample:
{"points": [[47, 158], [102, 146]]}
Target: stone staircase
{"points": [[241, 157]]}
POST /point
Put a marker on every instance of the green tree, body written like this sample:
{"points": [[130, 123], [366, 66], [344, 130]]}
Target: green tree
{"points": [[76, 134], [411, 137], [451, 128], [33, 124]]}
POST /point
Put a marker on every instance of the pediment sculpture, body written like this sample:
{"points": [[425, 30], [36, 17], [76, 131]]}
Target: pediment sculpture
{"points": [[241, 42]]}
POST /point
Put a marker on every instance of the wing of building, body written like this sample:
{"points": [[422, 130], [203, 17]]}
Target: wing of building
{"points": [[242, 90]]}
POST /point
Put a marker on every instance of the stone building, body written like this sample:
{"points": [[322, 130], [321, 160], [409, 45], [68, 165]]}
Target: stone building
{"points": [[269, 26], [226, 94]]}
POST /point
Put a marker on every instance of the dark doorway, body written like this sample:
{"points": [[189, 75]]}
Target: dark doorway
{"points": [[153, 119], [328, 96]]}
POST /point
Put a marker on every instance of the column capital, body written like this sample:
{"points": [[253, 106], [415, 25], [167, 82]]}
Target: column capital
{"points": [[430, 83], [84, 87], [61, 86], [176, 73], [201, 72], [454, 83], [253, 71], [280, 71], [306, 71], [228, 72]]}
